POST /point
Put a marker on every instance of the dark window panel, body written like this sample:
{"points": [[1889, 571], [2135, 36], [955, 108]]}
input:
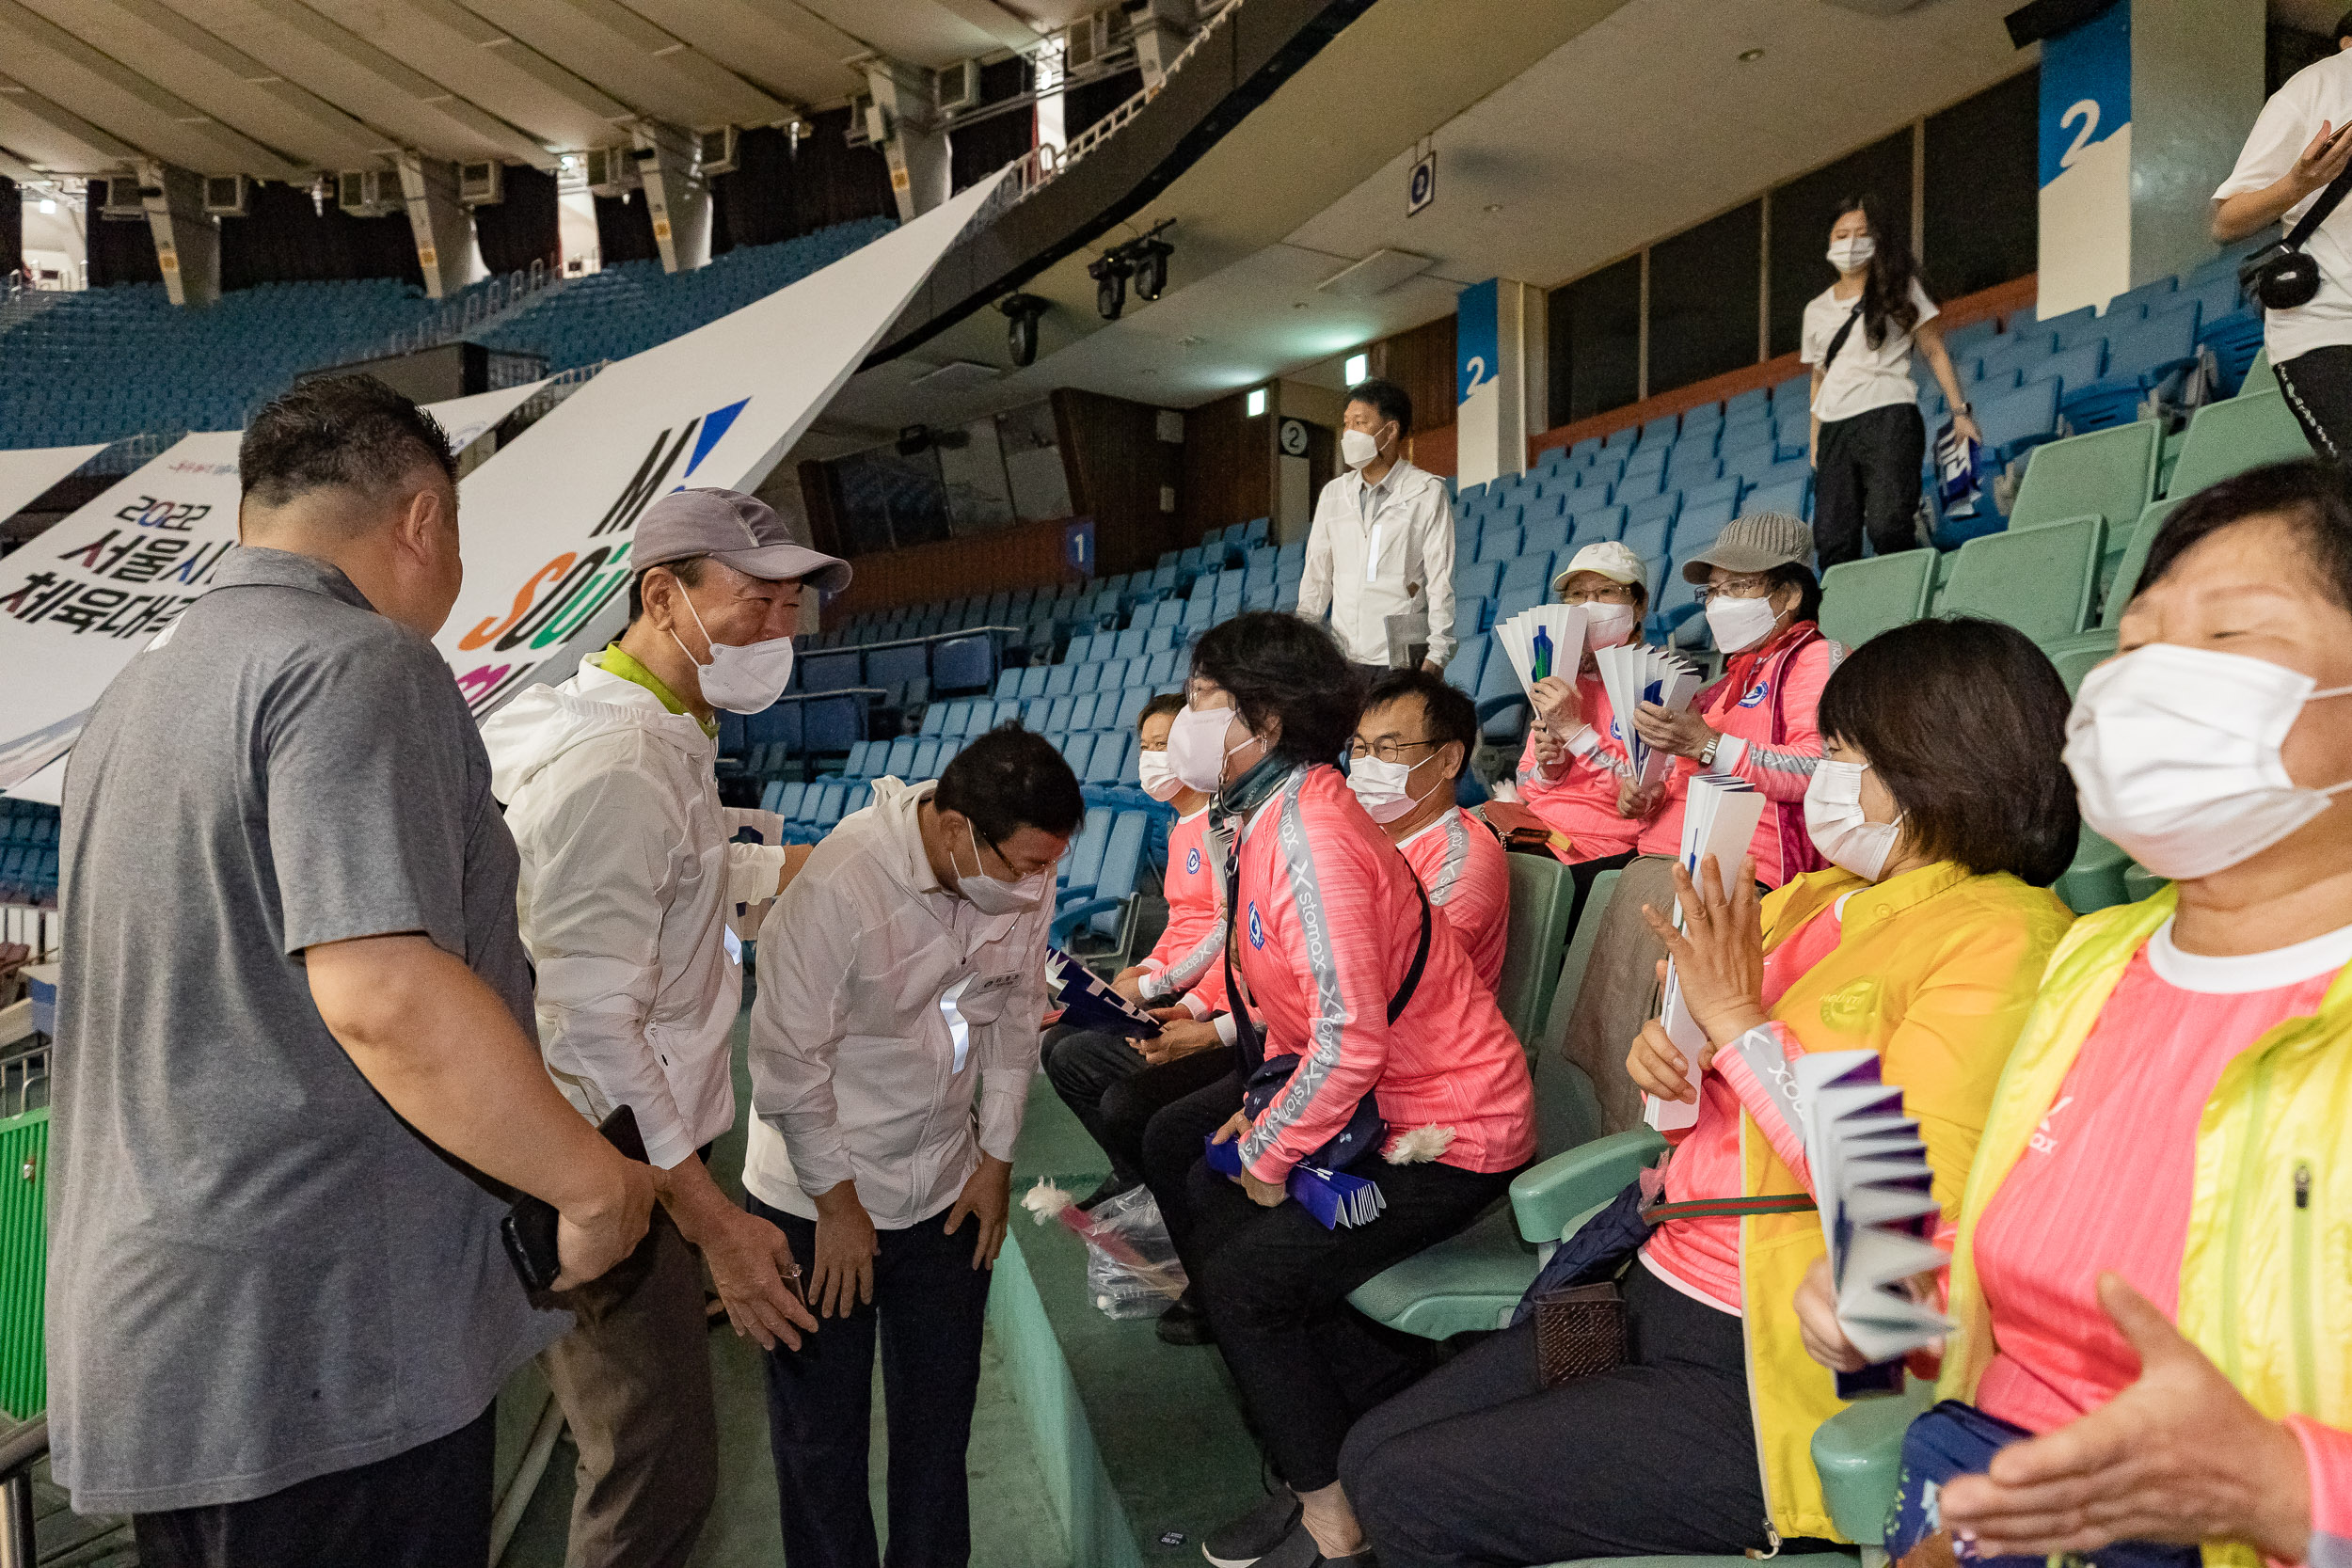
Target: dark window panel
{"points": [[1983, 188], [1803, 210], [1596, 341], [1703, 299]]}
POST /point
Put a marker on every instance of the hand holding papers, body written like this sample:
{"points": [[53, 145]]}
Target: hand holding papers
{"points": [[1545, 641], [1719, 818], [1632, 674], [1088, 1001], [1332, 1196], [1871, 1178]]}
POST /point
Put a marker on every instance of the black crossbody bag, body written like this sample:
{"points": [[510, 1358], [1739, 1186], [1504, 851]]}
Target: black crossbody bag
{"points": [[2282, 275]]}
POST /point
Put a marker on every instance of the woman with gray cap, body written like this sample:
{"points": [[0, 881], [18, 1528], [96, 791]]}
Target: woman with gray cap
{"points": [[628, 877], [1758, 722]]}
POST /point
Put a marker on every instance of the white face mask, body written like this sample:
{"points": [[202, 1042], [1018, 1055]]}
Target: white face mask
{"points": [[1851, 255], [1833, 815], [745, 677], [1158, 776], [1608, 626], [2175, 752], [987, 895], [1739, 625], [1359, 449], [1197, 749], [1383, 787]]}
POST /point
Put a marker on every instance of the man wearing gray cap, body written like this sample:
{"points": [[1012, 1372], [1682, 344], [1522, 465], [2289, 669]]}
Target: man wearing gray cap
{"points": [[627, 879]]}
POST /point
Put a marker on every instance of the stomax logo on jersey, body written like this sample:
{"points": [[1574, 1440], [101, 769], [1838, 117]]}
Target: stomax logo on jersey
{"points": [[559, 597]]}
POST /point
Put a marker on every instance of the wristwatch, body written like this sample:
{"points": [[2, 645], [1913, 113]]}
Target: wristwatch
{"points": [[1706, 757], [1969, 408]]}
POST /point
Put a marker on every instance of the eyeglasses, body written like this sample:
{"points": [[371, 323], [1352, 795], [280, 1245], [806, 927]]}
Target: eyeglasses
{"points": [[1736, 588], [1387, 751], [1616, 592]]}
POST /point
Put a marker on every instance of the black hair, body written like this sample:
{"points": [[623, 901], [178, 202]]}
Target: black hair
{"points": [[2311, 495], [1447, 710], [1887, 302], [1808, 587], [1281, 668], [1009, 779], [1386, 399], [346, 430], [2343, 27], [687, 569], [1168, 702], [1965, 722]]}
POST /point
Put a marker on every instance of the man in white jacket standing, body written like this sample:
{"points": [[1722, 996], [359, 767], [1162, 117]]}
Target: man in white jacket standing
{"points": [[627, 879], [1381, 545], [901, 982]]}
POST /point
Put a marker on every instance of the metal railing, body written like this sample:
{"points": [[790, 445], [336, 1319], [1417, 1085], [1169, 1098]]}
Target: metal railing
{"points": [[21, 1447], [479, 307], [129, 454]]}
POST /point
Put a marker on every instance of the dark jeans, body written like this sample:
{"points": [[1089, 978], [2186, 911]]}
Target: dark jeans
{"points": [[1868, 477], [928, 1304], [1171, 1146], [1114, 1092], [2318, 386], [1479, 1463], [426, 1508]]}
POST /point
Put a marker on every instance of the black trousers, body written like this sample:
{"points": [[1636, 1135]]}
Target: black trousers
{"points": [[1868, 478], [2318, 386], [1479, 1463], [1582, 874], [1114, 1092], [928, 1307], [1171, 1146], [424, 1508]]}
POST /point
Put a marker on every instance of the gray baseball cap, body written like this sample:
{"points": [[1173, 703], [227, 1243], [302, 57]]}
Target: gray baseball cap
{"points": [[1755, 543], [734, 530]]}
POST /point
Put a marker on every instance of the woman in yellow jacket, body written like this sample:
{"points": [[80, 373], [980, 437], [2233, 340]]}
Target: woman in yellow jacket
{"points": [[1943, 807], [2154, 1268]]}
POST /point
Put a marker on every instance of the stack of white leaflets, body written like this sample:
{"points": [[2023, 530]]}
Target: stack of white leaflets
{"points": [[1548, 640], [1871, 1178], [1719, 818], [1633, 674]]}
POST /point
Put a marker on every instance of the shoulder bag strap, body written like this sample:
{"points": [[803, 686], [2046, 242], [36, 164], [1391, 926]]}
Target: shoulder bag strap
{"points": [[1421, 957], [1843, 333], [2322, 209]]}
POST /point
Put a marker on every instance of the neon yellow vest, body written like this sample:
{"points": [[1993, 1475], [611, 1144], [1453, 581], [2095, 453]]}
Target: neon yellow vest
{"points": [[2265, 1281]]}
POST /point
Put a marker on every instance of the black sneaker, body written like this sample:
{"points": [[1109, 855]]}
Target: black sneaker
{"points": [[1186, 1323], [1239, 1543], [1112, 1186], [1298, 1549]]}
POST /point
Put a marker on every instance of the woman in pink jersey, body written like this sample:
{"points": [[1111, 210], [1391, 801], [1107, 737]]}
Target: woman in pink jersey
{"points": [[2151, 1262], [1575, 763], [1368, 1044], [1947, 812], [1758, 722]]}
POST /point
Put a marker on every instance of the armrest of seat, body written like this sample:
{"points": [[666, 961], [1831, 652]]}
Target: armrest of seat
{"points": [[1545, 1198], [1505, 704], [1858, 1454], [1068, 891], [1070, 919]]}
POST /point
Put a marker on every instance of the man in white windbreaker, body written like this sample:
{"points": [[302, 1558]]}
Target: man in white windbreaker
{"points": [[1381, 545], [901, 983], [627, 879]]}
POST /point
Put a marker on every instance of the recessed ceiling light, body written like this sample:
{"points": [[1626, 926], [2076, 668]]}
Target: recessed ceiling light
{"points": [[1494, 206], [1750, 56]]}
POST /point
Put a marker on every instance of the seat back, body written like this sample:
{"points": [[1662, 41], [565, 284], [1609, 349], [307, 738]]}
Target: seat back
{"points": [[1122, 857], [1567, 1111], [1542, 893], [2039, 580], [2107, 473], [2229, 437], [1863, 598], [2126, 578], [1085, 863]]}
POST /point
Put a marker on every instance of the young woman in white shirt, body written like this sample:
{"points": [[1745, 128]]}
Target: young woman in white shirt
{"points": [[1869, 440]]}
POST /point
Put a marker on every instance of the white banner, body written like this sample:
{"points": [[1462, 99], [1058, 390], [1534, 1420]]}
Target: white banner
{"points": [[468, 420], [546, 522], [25, 473]]}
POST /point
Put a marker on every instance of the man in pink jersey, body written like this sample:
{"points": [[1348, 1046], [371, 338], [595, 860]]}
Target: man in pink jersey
{"points": [[1414, 741]]}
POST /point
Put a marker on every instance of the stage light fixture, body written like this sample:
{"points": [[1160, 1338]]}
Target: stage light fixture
{"points": [[1110, 271], [1021, 313]]}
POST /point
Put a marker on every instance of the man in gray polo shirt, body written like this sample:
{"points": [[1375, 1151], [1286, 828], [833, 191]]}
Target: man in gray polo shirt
{"points": [[297, 1080]]}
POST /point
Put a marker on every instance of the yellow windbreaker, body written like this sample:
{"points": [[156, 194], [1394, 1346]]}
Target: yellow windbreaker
{"points": [[1936, 971], [2266, 1273]]}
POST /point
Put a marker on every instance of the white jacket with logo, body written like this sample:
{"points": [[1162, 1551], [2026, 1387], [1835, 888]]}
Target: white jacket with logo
{"points": [[895, 1028], [1397, 562], [626, 880]]}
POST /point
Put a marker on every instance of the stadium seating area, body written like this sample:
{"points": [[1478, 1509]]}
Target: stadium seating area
{"points": [[28, 853], [108, 363]]}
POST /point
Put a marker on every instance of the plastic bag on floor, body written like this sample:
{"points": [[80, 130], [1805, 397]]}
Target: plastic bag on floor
{"points": [[1132, 1270]]}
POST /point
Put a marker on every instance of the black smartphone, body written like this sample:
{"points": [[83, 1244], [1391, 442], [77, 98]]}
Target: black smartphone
{"points": [[528, 1227]]}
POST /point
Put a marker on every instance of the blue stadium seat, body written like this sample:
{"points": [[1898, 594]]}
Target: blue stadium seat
{"points": [[1057, 715], [924, 763], [1477, 579], [1499, 543], [1059, 679], [1534, 570]]}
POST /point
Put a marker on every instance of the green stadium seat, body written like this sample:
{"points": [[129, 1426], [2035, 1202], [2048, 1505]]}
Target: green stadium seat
{"points": [[2138, 882], [2039, 580], [1863, 598], [2107, 473], [2229, 437], [2260, 377], [2096, 880], [1542, 894], [2076, 657], [2125, 576]]}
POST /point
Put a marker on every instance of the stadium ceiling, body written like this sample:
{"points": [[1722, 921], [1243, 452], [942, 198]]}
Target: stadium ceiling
{"points": [[1568, 135], [285, 89]]}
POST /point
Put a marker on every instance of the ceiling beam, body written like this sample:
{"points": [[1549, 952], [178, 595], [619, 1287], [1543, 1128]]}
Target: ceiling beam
{"points": [[108, 148], [333, 36], [229, 150], [703, 76], [519, 56], [772, 43], [19, 170], [1008, 30]]}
